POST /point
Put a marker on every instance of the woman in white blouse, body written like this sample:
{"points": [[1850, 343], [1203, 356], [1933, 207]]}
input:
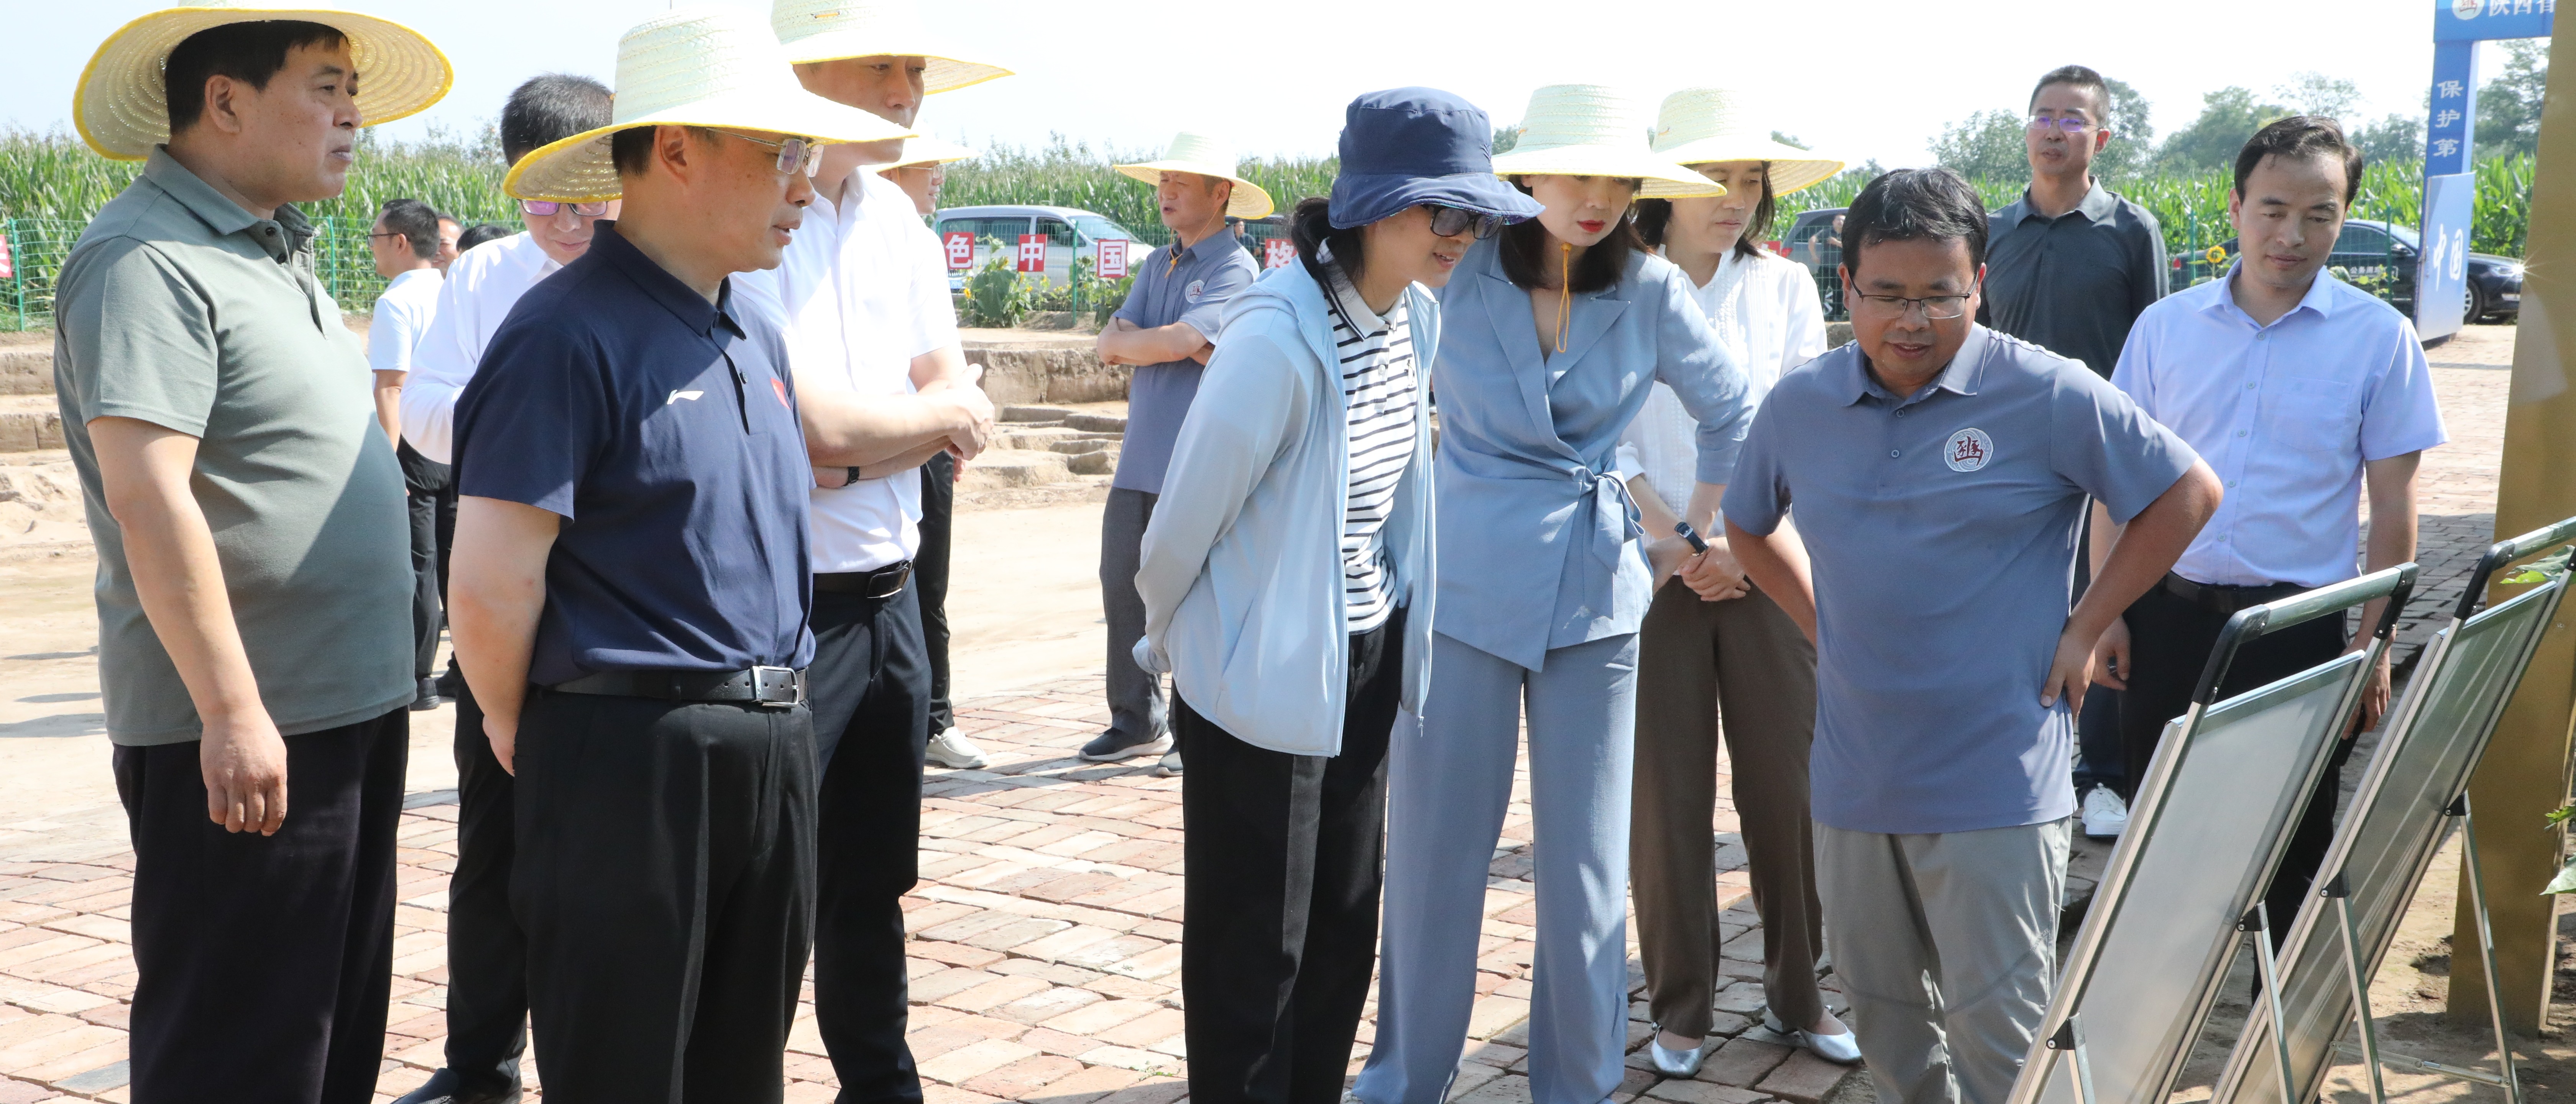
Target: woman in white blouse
{"points": [[1710, 639]]}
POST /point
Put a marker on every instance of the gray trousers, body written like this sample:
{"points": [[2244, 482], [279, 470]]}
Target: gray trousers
{"points": [[1946, 944], [1137, 708], [1450, 785]]}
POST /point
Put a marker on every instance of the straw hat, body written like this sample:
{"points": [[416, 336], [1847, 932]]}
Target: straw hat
{"points": [[1595, 130], [123, 108], [829, 30], [1699, 126], [1206, 156], [926, 150], [713, 67]]}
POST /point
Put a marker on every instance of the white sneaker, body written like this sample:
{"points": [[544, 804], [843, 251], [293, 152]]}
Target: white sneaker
{"points": [[953, 750], [1843, 1049], [1171, 764], [2105, 815]]}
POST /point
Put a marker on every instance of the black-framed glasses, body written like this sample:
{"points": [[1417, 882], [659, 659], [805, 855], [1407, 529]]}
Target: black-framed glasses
{"points": [[795, 155], [547, 208], [1936, 308], [1449, 222], [2071, 124]]}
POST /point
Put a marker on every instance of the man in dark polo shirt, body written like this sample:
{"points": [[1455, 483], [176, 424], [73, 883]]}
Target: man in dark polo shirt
{"points": [[1938, 470], [631, 582], [2069, 267], [1166, 331]]}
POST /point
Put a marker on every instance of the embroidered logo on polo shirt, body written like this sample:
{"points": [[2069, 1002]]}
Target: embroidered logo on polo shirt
{"points": [[1192, 292], [1968, 450], [779, 386], [676, 396]]}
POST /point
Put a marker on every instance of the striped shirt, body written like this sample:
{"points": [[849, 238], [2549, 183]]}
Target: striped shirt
{"points": [[1379, 389]]}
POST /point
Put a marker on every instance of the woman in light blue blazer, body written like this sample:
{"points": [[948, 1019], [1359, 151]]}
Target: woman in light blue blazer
{"points": [[1552, 335], [1287, 583]]}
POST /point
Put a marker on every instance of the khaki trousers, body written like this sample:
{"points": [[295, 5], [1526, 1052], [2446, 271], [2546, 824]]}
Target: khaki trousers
{"points": [[1746, 657]]}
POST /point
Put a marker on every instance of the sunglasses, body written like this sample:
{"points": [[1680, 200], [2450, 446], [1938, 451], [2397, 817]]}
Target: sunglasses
{"points": [[795, 155], [1449, 222], [547, 208], [2071, 124]]}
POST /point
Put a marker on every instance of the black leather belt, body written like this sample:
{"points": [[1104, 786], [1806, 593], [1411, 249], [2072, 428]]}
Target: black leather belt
{"points": [[884, 582], [2226, 600], [766, 687]]}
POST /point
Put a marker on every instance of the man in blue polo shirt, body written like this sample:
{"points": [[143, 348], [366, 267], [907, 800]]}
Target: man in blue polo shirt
{"points": [[631, 582], [1938, 471]]}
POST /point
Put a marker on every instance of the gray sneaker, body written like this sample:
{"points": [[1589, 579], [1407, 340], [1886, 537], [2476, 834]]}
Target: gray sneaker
{"points": [[1107, 748], [1170, 766]]}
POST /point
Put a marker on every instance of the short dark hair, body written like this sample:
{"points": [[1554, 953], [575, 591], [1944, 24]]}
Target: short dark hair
{"points": [[1915, 205], [415, 220], [631, 150], [549, 108], [2077, 76], [1601, 268], [1655, 219], [249, 52], [1310, 227], [2302, 136], [480, 233]]}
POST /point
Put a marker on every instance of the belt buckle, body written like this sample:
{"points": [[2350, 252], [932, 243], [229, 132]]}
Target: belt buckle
{"points": [[763, 678]]}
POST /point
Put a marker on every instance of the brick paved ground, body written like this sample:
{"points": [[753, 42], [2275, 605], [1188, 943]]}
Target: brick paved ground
{"points": [[1045, 958]]}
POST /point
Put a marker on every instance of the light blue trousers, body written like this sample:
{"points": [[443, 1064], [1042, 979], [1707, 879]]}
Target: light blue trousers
{"points": [[1451, 784]]}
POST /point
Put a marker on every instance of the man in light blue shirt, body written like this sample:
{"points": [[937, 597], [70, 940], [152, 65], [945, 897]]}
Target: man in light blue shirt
{"points": [[1938, 470], [2300, 389]]}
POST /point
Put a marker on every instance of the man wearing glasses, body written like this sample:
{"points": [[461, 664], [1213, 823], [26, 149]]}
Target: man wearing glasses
{"points": [[1938, 470], [2070, 266]]}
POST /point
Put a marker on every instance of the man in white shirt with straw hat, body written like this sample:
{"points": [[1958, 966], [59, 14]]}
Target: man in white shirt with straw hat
{"points": [[862, 297], [1166, 331], [254, 591], [631, 580]]}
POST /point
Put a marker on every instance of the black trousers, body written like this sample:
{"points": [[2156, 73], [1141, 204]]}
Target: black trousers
{"points": [[446, 551], [2097, 722], [665, 879], [871, 687], [930, 577], [425, 481], [2169, 642], [263, 963], [1286, 858], [487, 956]]}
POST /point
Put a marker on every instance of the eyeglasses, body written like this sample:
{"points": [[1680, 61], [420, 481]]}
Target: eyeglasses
{"points": [[1449, 222], [2071, 124], [1936, 308], [795, 155], [547, 208]]}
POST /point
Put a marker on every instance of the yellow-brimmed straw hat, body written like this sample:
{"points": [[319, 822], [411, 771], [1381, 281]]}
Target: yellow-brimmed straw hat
{"points": [[711, 68], [1596, 130], [1206, 156], [122, 106], [1700, 126], [926, 150], [829, 30]]}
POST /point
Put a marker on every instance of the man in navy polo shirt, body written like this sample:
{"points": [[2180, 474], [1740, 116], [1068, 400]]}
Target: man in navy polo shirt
{"points": [[1938, 471]]}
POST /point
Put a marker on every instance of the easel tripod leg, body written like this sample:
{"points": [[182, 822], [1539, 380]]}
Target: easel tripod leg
{"points": [[2486, 947]]}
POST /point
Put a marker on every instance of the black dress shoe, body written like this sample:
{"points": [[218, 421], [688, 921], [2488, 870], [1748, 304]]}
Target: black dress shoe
{"points": [[442, 1088], [451, 685]]}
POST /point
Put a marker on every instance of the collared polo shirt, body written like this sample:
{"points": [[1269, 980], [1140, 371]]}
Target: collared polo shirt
{"points": [[2073, 284], [1173, 285], [2286, 414], [179, 308], [861, 290], [663, 429], [1942, 526], [401, 316], [481, 286]]}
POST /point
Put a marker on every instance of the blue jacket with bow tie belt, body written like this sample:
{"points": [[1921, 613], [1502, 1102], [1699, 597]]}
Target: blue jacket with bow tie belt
{"points": [[1537, 532]]}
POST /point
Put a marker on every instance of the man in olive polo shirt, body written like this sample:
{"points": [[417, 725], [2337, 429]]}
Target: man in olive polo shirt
{"points": [[254, 592]]}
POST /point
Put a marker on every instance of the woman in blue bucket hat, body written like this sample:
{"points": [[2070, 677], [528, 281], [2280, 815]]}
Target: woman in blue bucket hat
{"points": [[1287, 582], [1553, 335]]}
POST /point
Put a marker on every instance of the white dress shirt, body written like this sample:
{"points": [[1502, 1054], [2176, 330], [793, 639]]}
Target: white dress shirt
{"points": [[482, 285], [1768, 319], [402, 316], [862, 289], [2286, 414]]}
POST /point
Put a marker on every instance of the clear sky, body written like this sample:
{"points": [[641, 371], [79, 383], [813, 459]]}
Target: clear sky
{"points": [[1858, 78]]}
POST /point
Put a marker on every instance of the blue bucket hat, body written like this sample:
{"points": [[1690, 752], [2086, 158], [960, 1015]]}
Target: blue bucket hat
{"points": [[1409, 146]]}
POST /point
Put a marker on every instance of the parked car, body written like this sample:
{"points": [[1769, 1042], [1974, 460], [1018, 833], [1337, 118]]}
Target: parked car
{"points": [[1069, 232], [2382, 257]]}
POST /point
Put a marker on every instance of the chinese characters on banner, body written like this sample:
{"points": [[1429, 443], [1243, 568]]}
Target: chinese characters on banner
{"points": [[1277, 252], [1032, 256], [1113, 259], [2450, 140], [961, 249]]}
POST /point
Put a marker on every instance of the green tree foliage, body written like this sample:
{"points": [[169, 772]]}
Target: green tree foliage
{"points": [[1987, 145], [2509, 105], [2133, 136], [1789, 140], [2228, 117], [2393, 140]]}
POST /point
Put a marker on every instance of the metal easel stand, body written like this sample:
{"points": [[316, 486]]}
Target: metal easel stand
{"points": [[2257, 922], [2370, 1053], [2070, 1037]]}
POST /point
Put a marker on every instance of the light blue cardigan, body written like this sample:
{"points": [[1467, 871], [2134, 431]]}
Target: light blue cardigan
{"points": [[1241, 571], [1541, 546]]}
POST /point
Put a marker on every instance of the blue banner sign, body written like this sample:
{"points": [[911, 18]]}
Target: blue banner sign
{"points": [[2480, 20], [2442, 270], [2449, 135]]}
